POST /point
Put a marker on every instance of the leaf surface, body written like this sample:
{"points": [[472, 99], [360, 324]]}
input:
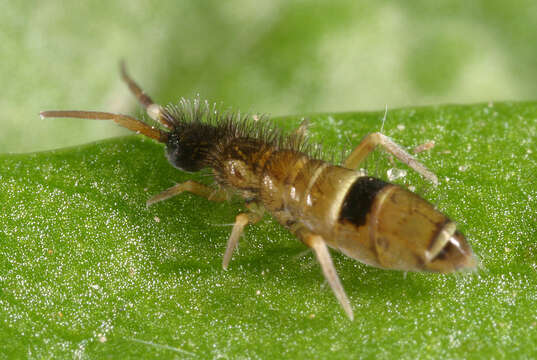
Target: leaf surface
{"points": [[87, 270]]}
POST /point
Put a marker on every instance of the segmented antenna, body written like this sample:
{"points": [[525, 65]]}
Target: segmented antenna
{"points": [[123, 120], [154, 110]]}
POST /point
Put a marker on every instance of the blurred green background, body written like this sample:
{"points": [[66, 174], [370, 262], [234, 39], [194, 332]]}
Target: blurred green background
{"points": [[279, 57]]}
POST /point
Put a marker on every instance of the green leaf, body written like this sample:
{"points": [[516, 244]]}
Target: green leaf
{"points": [[87, 270]]}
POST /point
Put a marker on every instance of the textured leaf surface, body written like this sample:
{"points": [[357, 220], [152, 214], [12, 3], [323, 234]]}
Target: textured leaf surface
{"points": [[87, 270]]}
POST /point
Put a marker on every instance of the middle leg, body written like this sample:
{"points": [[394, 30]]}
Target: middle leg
{"points": [[241, 221]]}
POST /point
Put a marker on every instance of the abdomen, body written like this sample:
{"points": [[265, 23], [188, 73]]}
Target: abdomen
{"points": [[302, 192], [375, 222]]}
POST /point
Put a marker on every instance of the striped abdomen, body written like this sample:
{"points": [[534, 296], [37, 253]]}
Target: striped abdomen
{"points": [[378, 223]]}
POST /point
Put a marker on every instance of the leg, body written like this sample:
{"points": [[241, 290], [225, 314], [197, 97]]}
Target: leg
{"points": [[370, 142], [424, 147], [317, 244], [154, 111], [192, 187], [254, 215]]}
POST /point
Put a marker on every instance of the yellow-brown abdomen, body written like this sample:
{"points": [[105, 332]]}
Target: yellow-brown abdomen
{"points": [[304, 191], [378, 223], [402, 231]]}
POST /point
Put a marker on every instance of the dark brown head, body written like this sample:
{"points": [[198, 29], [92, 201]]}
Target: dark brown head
{"points": [[189, 146]]}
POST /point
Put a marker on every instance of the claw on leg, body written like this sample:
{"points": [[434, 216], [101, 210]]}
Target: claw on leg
{"points": [[317, 244], [371, 141], [192, 187]]}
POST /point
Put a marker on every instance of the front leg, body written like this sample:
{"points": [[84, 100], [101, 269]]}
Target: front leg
{"points": [[192, 187], [371, 141]]}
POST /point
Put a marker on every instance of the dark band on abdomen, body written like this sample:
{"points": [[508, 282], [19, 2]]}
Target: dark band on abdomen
{"points": [[359, 199]]}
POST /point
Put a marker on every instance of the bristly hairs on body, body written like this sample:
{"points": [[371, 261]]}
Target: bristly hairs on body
{"points": [[206, 119]]}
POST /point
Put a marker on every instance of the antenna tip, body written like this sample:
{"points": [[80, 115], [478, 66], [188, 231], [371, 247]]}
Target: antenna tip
{"points": [[122, 68]]}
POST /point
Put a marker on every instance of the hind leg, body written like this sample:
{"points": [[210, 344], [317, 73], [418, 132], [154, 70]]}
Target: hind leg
{"points": [[318, 245], [371, 141]]}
